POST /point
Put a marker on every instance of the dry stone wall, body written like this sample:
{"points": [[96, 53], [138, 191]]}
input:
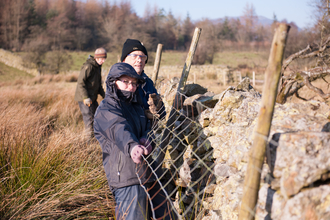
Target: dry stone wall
{"points": [[296, 173]]}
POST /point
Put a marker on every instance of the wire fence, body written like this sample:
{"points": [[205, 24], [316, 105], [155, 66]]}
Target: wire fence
{"points": [[182, 160]]}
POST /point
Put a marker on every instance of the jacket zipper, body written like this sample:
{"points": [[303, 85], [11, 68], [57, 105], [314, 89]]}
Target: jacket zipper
{"points": [[118, 168]]}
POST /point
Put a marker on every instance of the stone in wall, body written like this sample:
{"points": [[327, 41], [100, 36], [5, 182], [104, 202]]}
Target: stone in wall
{"points": [[312, 203], [301, 159]]}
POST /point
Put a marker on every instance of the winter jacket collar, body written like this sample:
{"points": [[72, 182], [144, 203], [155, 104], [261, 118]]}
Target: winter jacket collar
{"points": [[91, 60]]}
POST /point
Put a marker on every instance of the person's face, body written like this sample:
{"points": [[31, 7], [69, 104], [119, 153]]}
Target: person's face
{"points": [[100, 61], [137, 59], [127, 83]]}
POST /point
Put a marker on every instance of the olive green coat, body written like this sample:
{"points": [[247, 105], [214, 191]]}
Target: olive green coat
{"points": [[89, 83]]}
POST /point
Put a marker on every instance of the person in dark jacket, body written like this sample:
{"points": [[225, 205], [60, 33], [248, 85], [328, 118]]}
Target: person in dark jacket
{"points": [[135, 54], [121, 128], [89, 85]]}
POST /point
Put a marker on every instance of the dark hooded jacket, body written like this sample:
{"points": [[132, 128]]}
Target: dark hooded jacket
{"points": [[119, 124], [89, 83]]}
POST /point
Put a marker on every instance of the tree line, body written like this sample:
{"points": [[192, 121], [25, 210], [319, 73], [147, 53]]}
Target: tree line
{"points": [[40, 26]]}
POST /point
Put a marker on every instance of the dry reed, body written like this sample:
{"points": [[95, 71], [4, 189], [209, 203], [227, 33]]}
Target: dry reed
{"points": [[47, 170]]}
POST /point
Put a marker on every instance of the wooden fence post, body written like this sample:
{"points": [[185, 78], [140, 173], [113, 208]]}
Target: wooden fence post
{"points": [[157, 63], [190, 57], [261, 133], [172, 116], [254, 78]]}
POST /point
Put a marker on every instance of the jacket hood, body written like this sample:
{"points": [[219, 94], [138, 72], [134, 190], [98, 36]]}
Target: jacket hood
{"points": [[120, 69]]}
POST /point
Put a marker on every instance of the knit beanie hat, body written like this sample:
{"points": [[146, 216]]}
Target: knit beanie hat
{"points": [[132, 45], [100, 53]]}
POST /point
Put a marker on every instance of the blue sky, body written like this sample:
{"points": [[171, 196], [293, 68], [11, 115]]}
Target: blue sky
{"points": [[297, 11]]}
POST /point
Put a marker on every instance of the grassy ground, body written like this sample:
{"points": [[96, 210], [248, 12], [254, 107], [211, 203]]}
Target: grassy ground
{"points": [[8, 74], [246, 62], [47, 169], [170, 58], [242, 59]]}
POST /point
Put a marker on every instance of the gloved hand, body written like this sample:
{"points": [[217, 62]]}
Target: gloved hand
{"points": [[147, 144], [148, 114], [155, 103], [87, 102]]}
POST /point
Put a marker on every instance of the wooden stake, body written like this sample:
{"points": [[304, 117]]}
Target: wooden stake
{"points": [[157, 63], [261, 133], [177, 101], [187, 65]]}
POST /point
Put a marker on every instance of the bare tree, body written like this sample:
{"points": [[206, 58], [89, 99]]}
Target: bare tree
{"points": [[208, 43], [13, 21], [58, 61], [249, 21], [291, 83], [37, 48], [318, 50]]}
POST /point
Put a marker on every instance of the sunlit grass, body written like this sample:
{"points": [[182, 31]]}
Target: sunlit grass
{"points": [[47, 169], [236, 59]]}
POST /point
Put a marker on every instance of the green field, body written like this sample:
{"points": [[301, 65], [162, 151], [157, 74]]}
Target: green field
{"points": [[174, 58], [9, 74]]}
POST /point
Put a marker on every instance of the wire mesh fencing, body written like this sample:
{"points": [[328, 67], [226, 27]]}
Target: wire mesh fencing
{"points": [[182, 159]]}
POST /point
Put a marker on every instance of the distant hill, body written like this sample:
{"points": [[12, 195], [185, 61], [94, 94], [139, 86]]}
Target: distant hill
{"points": [[264, 21], [261, 20]]}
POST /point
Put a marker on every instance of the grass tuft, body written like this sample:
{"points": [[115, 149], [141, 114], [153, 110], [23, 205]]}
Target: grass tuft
{"points": [[47, 170]]}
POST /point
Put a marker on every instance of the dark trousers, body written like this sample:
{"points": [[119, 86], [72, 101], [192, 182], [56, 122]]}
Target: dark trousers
{"points": [[132, 203], [88, 117]]}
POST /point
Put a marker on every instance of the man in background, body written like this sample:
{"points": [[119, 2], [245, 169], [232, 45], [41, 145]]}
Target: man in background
{"points": [[135, 54], [89, 85]]}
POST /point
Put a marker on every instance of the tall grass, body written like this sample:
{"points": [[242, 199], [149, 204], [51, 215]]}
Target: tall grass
{"points": [[47, 170]]}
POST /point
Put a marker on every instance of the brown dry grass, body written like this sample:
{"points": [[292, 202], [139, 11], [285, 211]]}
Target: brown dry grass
{"points": [[47, 170]]}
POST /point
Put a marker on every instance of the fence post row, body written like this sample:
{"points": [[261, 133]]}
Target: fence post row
{"points": [[182, 83], [257, 152], [157, 63]]}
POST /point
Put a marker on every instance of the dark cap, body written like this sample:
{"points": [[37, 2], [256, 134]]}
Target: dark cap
{"points": [[131, 45]]}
